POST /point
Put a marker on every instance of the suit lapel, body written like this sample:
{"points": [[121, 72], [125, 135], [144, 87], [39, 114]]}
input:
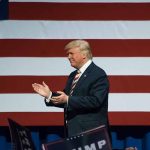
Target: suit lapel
{"points": [[84, 76]]}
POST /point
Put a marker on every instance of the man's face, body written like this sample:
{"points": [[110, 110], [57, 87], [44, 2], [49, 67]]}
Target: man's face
{"points": [[75, 57]]}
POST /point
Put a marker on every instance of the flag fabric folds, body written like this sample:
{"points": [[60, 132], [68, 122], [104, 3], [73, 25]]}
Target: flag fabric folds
{"points": [[31, 50]]}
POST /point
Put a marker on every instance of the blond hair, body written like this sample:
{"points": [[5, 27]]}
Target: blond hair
{"points": [[83, 45]]}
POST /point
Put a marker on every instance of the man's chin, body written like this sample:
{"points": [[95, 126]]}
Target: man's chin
{"points": [[72, 65]]}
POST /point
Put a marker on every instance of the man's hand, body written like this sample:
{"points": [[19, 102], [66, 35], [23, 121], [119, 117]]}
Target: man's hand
{"points": [[42, 89], [61, 99]]}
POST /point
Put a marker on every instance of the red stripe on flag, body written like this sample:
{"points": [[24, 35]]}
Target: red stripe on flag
{"points": [[23, 84], [55, 48], [118, 84], [79, 11], [33, 118], [129, 118], [49, 118], [129, 84]]}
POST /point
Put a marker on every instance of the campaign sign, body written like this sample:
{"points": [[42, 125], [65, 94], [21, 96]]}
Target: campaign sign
{"points": [[95, 139], [20, 136]]}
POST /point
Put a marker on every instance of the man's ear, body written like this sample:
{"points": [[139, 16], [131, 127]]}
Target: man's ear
{"points": [[84, 55]]}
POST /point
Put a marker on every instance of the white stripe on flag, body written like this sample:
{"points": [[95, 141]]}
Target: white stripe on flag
{"points": [[129, 102], [25, 103], [45, 66], [123, 102], [75, 29]]}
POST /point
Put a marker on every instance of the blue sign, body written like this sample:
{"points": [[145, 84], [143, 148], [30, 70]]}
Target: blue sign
{"points": [[95, 139]]}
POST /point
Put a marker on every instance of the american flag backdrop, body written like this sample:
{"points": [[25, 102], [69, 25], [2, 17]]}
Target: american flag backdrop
{"points": [[31, 50]]}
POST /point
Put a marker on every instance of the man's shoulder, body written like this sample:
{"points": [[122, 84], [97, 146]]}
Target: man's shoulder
{"points": [[97, 68], [72, 73]]}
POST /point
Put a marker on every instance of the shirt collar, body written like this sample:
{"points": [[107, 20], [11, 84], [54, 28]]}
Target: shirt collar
{"points": [[85, 66]]}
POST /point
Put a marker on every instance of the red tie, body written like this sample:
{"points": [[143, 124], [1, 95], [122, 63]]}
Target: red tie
{"points": [[75, 80]]}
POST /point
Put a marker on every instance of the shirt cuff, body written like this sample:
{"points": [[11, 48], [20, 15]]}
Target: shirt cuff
{"points": [[67, 100], [49, 98]]}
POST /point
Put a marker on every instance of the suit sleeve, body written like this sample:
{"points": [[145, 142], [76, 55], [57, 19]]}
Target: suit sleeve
{"points": [[51, 104]]}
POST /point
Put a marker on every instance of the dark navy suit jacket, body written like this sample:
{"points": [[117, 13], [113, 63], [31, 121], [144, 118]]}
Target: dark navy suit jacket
{"points": [[88, 106]]}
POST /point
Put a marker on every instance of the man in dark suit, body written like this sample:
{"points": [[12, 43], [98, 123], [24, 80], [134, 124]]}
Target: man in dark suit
{"points": [[85, 97]]}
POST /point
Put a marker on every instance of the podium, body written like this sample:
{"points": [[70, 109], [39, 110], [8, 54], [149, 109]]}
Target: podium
{"points": [[95, 139]]}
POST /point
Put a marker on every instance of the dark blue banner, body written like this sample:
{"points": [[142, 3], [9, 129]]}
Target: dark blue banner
{"points": [[20, 136], [96, 139], [4, 9]]}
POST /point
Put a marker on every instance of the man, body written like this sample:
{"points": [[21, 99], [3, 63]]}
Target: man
{"points": [[85, 96]]}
